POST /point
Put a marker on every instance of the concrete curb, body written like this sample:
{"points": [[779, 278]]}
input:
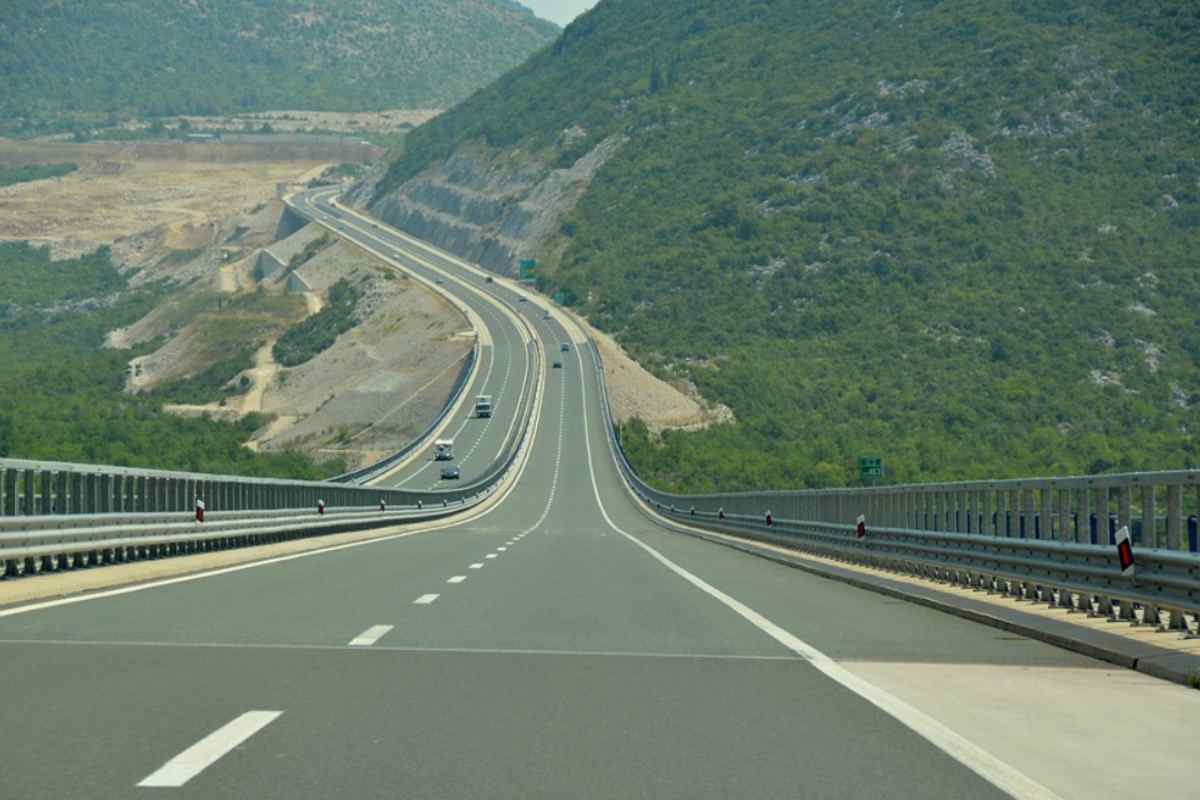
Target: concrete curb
{"points": [[1158, 662]]}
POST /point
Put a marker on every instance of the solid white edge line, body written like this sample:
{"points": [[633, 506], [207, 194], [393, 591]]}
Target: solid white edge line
{"points": [[370, 636], [192, 761], [425, 599], [995, 771]]}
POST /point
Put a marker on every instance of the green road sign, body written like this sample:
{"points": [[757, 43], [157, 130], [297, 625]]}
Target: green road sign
{"points": [[527, 268], [870, 468]]}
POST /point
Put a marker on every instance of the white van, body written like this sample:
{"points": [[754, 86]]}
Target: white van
{"points": [[483, 406], [443, 450]]}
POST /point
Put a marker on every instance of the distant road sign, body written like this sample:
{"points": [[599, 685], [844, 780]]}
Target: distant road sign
{"points": [[870, 468], [527, 268]]}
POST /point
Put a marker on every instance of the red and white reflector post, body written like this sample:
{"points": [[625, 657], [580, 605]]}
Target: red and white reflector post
{"points": [[1125, 551], [860, 529], [382, 505], [770, 519], [199, 509], [320, 506]]}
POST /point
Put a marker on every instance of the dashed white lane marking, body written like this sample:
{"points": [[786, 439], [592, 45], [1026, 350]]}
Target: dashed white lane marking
{"points": [[502, 549], [192, 761], [425, 599], [457, 579], [370, 636], [490, 555], [477, 565], [995, 771]]}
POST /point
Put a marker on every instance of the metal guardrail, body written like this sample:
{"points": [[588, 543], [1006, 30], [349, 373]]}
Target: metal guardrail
{"points": [[57, 543], [1050, 539]]}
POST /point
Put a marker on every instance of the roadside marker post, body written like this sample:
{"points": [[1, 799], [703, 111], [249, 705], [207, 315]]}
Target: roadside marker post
{"points": [[1125, 551], [861, 526], [770, 519], [199, 509], [321, 507]]}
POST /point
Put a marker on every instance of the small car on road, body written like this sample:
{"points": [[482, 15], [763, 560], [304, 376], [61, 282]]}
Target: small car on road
{"points": [[557, 364], [451, 473]]}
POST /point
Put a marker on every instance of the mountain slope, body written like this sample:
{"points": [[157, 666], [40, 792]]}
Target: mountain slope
{"points": [[958, 235], [207, 56]]}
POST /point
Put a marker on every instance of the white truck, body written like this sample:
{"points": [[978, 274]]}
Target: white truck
{"points": [[443, 450], [483, 406]]}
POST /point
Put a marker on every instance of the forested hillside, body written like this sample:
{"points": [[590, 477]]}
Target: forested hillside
{"points": [[164, 57], [63, 392], [960, 235]]}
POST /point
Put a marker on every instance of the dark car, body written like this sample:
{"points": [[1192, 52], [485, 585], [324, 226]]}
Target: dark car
{"points": [[451, 473], [564, 347], [558, 365], [489, 279]]}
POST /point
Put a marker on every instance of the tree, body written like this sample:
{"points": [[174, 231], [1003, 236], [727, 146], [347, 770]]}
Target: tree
{"points": [[5, 436]]}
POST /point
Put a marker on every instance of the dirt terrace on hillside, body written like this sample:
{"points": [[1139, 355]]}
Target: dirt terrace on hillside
{"points": [[123, 190]]}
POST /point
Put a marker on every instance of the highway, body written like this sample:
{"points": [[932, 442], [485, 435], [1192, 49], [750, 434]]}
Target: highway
{"points": [[557, 644], [505, 347]]}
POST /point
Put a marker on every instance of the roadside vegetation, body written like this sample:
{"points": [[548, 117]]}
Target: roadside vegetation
{"points": [[317, 333], [958, 236], [63, 391], [34, 172]]}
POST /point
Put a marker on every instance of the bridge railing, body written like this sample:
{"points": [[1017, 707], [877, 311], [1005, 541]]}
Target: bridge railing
{"points": [[1050, 539]]}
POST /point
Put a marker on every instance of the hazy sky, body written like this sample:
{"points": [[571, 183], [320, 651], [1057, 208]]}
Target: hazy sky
{"points": [[560, 11]]}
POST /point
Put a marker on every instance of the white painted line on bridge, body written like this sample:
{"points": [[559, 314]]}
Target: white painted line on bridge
{"points": [[457, 579], [192, 761], [370, 636], [501, 549], [490, 555], [477, 566], [425, 599]]}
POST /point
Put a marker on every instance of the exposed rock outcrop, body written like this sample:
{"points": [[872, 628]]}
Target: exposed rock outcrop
{"points": [[488, 207]]}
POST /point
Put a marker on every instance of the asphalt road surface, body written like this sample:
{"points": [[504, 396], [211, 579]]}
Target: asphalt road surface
{"points": [[560, 645]]}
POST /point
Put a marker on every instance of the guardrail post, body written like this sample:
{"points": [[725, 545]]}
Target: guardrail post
{"points": [[27, 498], [1064, 515], [1124, 506], [1193, 534], [10, 492], [1083, 513], [62, 503], [1174, 521], [1149, 527], [1045, 524], [47, 505], [89, 493], [105, 505], [141, 501]]}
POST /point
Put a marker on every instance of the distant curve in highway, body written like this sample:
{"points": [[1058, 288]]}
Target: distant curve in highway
{"points": [[559, 644]]}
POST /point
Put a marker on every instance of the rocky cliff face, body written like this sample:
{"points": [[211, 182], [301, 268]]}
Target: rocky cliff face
{"points": [[489, 207]]}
